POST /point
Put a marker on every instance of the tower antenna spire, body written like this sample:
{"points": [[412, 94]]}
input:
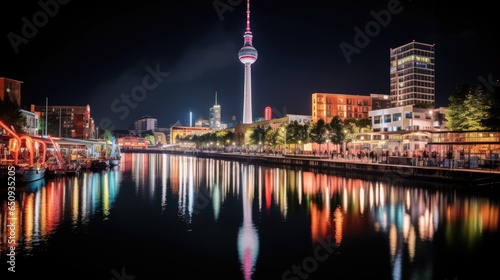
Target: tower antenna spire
{"points": [[215, 97], [248, 17]]}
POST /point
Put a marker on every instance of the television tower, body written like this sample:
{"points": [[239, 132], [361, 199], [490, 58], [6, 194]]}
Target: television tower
{"points": [[247, 56]]}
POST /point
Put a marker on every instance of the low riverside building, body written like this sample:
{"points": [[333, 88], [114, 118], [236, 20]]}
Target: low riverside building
{"points": [[31, 124], [240, 130], [408, 118], [458, 149], [180, 132], [468, 148]]}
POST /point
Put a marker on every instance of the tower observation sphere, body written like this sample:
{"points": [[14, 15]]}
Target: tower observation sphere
{"points": [[247, 54]]}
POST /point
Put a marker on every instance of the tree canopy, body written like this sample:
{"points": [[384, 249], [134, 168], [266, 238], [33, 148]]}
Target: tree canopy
{"points": [[493, 120], [338, 135], [469, 109], [319, 132], [11, 115]]}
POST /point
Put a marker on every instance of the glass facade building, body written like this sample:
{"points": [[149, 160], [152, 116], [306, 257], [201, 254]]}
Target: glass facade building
{"points": [[412, 77]]}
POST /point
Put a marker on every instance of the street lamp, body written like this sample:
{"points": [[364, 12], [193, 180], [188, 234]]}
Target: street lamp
{"points": [[431, 114], [328, 147], [284, 152], [344, 152]]}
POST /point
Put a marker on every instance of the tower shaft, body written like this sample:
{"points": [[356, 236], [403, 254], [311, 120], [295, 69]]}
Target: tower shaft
{"points": [[247, 95]]}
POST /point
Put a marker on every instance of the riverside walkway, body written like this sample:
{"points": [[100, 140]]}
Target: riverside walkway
{"points": [[472, 179]]}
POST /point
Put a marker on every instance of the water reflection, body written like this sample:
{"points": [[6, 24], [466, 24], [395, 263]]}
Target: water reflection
{"points": [[408, 218], [40, 208], [248, 238]]}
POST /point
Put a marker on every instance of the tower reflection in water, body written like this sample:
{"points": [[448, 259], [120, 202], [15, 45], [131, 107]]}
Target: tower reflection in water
{"points": [[248, 239]]}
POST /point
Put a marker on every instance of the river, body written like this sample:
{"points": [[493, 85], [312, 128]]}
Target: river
{"points": [[161, 216]]}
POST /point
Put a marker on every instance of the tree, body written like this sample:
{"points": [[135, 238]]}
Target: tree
{"points": [[225, 136], [454, 112], [337, 135], [364, 124], [303, 133], [257, 135], [53, 120], [149, 137], [272, 137], [492, 120], [192, 139], [468, 107], [239, 136], [293, 132], [357, 125], [41, 127], [11, 115], [281, 134], [476, 107], [319, 132], [108, 136]]}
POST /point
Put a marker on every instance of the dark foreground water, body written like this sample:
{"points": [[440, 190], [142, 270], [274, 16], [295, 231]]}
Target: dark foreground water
{"points": [[161, 216]]}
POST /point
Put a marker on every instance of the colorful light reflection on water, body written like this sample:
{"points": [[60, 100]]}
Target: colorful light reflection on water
{"points": [[259, 222]]}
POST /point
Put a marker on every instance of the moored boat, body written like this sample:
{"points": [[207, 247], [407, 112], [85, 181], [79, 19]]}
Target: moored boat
{"points": [[30, 173], [34, 186], [28, 156]]}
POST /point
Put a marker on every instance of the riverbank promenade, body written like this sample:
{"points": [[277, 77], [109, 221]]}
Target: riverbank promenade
{"points": [[449, 173]]}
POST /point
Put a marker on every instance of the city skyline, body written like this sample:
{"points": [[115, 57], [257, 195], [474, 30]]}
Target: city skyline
{"points": [[149, 58]]}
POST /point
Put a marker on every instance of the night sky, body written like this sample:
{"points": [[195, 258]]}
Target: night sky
{"points": [[99, 52]]}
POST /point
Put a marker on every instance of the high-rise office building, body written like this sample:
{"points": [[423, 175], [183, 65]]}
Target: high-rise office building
{"points": [[412, 76], [145, 123], [247, 56], [215, 115]]}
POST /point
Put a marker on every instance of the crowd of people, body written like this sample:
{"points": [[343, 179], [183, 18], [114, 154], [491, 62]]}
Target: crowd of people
{"points": [[415, 157]]}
